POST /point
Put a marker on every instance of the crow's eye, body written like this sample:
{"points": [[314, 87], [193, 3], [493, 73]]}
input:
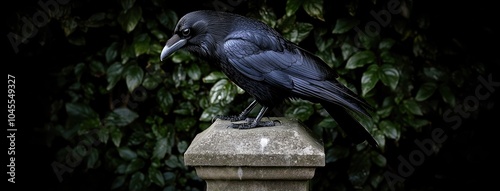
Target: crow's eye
{"points": [[185, 32]]}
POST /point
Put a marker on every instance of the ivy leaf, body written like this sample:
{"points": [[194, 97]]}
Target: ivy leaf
{"points": [[165, 99], [194, 72], [133, 76], [222, 92], [118, 181], [344, 24], [359, 169], [161, 148], [214, 77], [412, 107], [111, 52], [447, 95], [386, 43], [299, 32], [151, 81], [156, 177], [126, 153], [116, 136], [360, 59], [292, 6], [92, 158], [141, 44], [379, 160], [300, 111], [335, 153], [134, 165], [96, 68], [113, 75], [389, 76], [137, 182], [129, 19], [167, 18], [314, 8], [390, 129], [121, 117], [127, 4], [369, 79], [426, 91]]}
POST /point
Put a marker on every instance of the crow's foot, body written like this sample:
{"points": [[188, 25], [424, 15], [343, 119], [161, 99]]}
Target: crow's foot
{"points": [[229, 118], [250, 124]]}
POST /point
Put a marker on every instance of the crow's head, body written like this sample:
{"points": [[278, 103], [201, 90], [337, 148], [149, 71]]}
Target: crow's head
{"points": [[198, 32]]}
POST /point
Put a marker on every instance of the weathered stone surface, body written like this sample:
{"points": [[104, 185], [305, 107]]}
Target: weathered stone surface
{"points": [[287, 144], [283, 157]]}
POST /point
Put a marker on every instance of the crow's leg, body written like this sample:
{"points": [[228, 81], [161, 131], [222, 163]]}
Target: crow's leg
{"points": [[243, 115], [256, 122]]}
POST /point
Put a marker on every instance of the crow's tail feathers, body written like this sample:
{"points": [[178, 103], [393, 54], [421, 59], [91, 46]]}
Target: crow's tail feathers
{"points": [[353, 129]]}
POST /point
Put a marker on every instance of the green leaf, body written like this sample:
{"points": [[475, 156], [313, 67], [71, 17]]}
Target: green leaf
{"points": [[167, 18], [127, 4], [133, 76], [213, 77], [360, 59], [151, 81], [314, 8], [412, 107], [292, 6], [96, 68], [222, 92], [169, 176], [92, 158], [161, 148], [121, 117], [194, 72], [369, 79], [426, 91], [434, 73], [182, 146], [386, 43], [129, 19], [79, 68], [298, 32], [156, 177], [390, 129], [173, 162], [389, 76], [111, 52], [114, 74], [165, 99], [141, 44], [126, 153], [81, 111], [335, 153], [447, 95], [300, 111], [118, 181], [379, 160], [134, 165], [359, 169], [116, 136], [344, 24], [137, 182]]}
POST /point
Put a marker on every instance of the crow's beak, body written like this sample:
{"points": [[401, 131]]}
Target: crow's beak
{"points": [[173, 44]]}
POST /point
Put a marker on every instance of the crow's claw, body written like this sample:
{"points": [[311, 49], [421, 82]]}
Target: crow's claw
{"points": [[231, 118], [250, 125]]}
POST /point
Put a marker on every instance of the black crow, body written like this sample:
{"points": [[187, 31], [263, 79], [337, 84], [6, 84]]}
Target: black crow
{"points": [[268, 67]]}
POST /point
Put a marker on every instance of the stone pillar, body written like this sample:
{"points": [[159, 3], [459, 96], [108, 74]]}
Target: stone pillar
{"points": [[283, 157]]}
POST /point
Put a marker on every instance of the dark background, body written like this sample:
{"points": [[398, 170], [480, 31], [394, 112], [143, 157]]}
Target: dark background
{"points": [[467, 160]]}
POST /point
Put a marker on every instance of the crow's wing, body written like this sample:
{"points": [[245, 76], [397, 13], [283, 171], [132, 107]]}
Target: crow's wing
{"points": [[284, 65]]}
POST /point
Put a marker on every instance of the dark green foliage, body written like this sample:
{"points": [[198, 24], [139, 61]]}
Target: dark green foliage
{"points": [[144, 113]]}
